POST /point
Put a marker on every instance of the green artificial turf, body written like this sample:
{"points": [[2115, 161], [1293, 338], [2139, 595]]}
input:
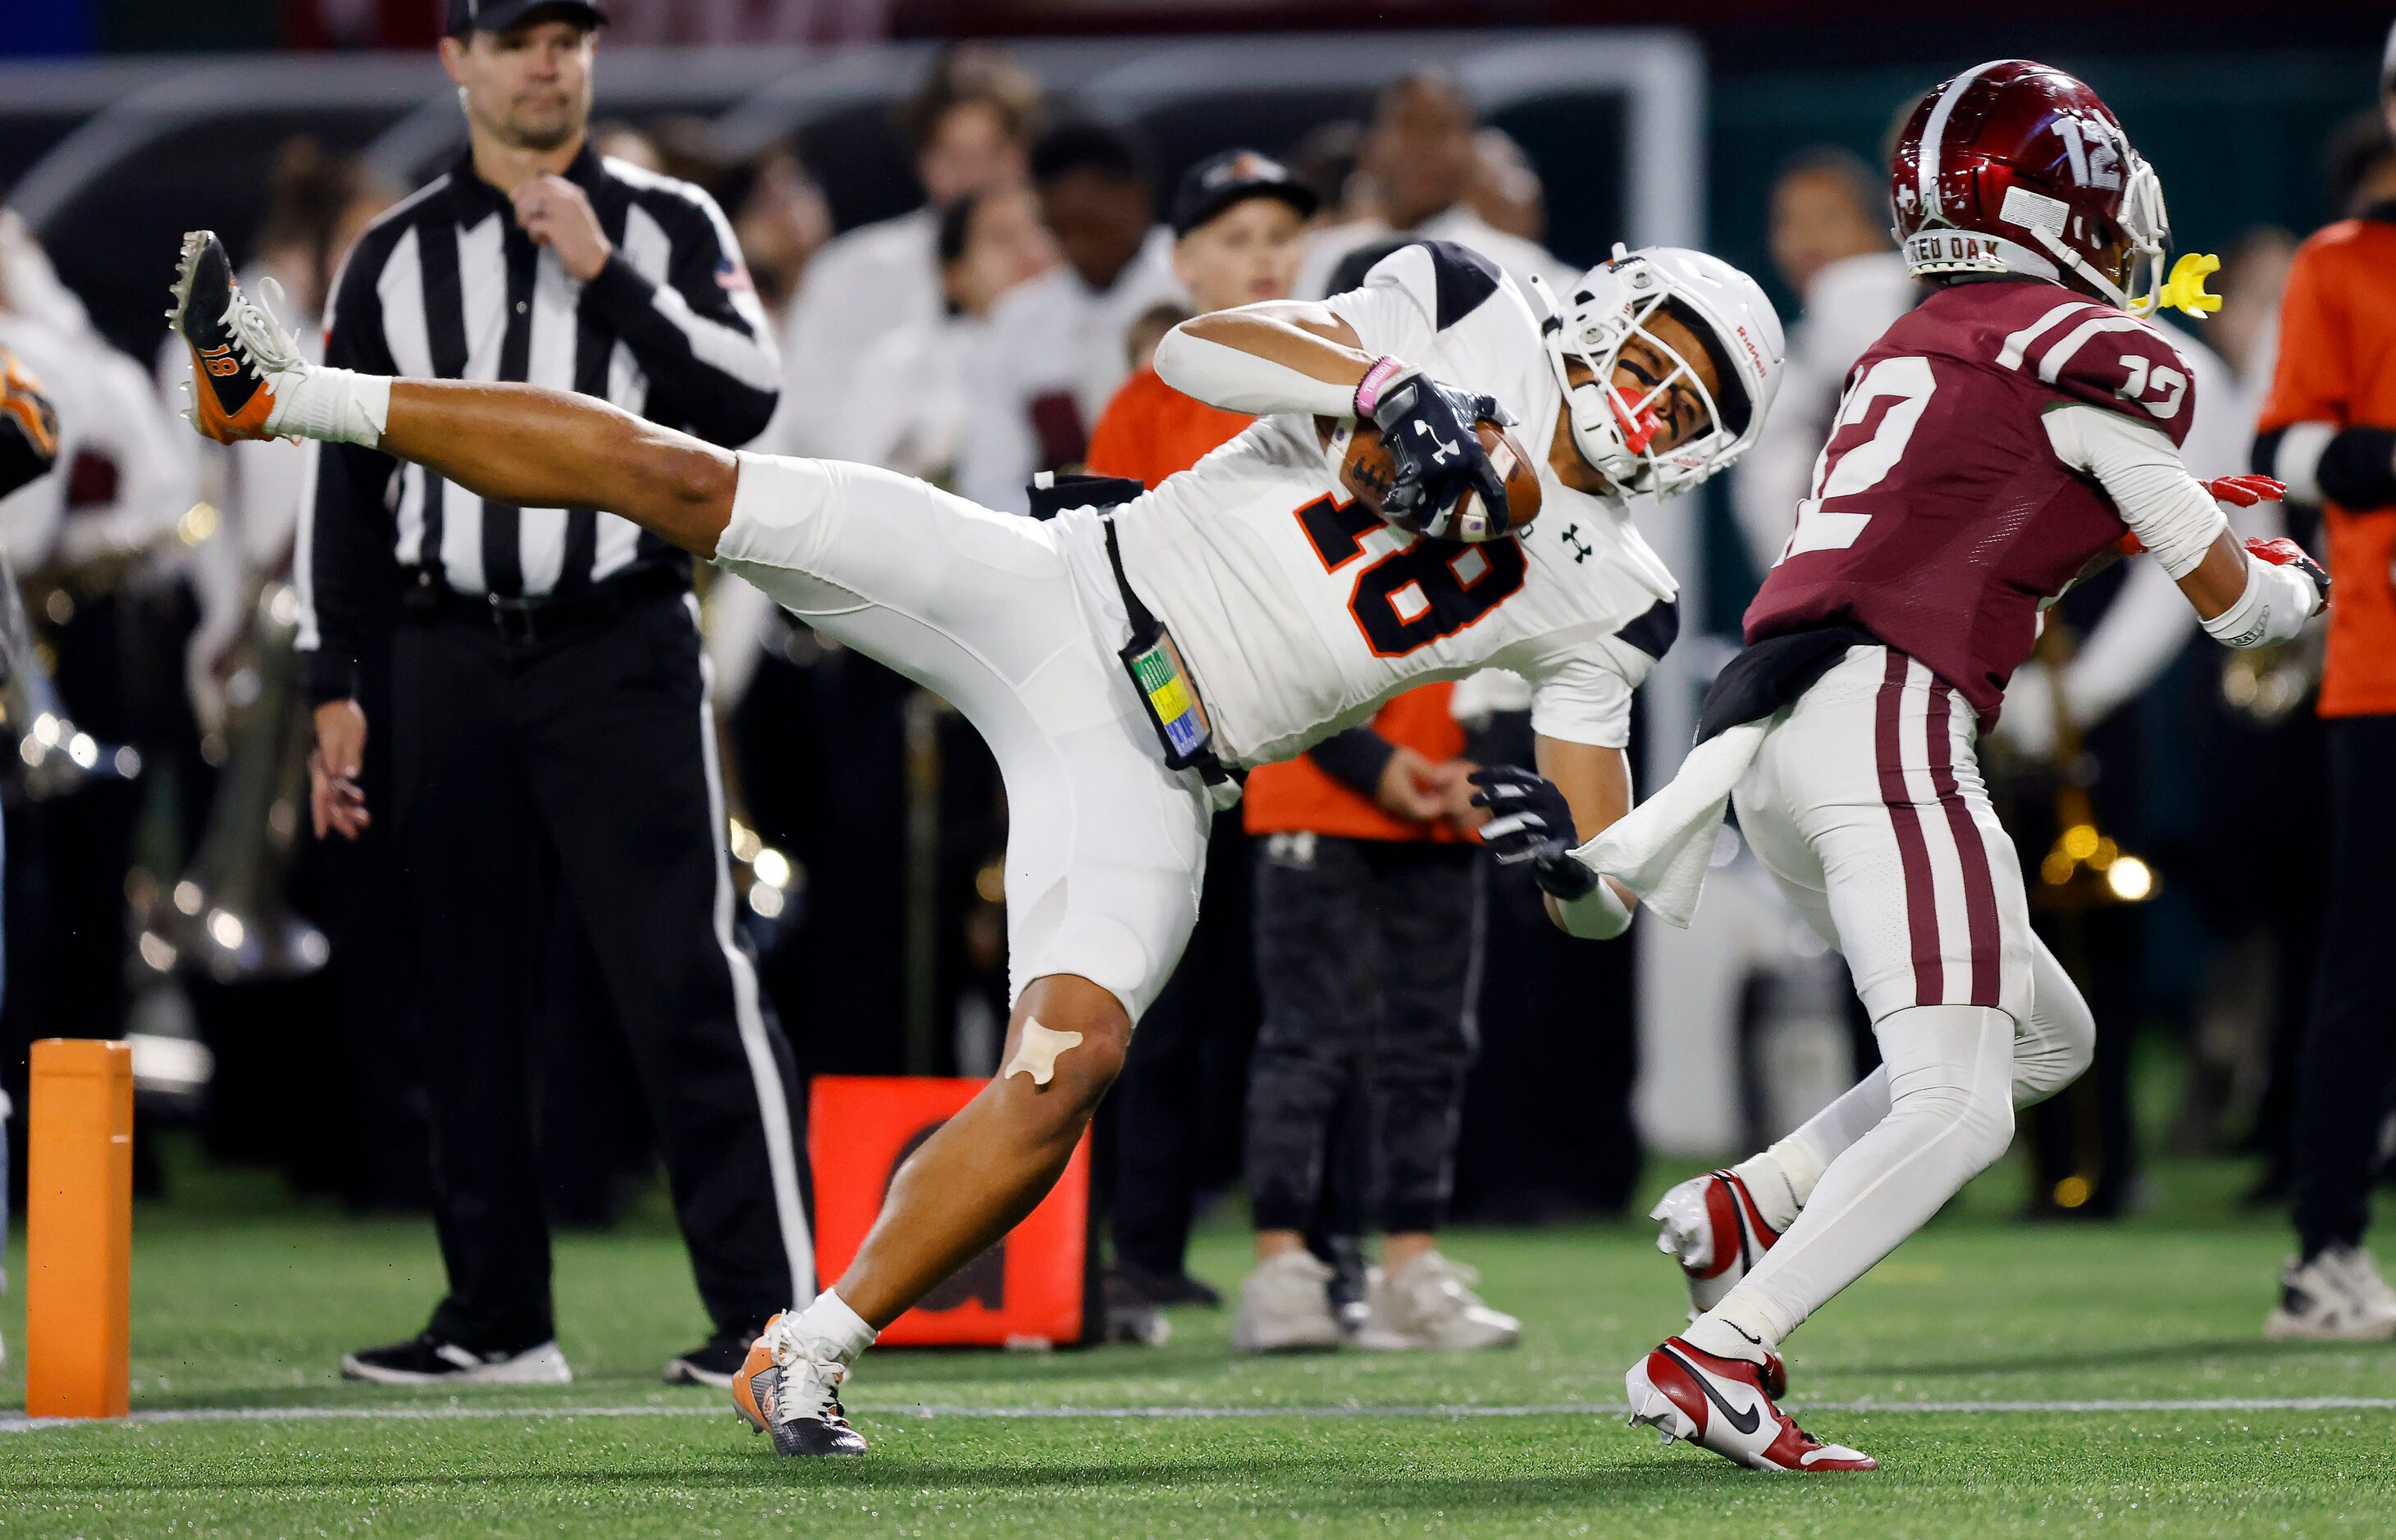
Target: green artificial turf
{"points": [[243, 1303]]}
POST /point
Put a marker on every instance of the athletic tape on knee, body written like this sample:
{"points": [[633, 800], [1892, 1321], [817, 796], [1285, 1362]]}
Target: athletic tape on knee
{"points": [[1036, 1055]]}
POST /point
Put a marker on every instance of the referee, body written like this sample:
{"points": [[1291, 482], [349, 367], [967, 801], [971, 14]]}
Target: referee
{"points": [[552, 734]]}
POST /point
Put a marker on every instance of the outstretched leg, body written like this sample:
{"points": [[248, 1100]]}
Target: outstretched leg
{"points": [[524, 444]]}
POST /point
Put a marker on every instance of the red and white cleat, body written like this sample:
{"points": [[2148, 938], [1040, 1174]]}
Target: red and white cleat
{"points": [[1725, 1405], [1712, 1227]]}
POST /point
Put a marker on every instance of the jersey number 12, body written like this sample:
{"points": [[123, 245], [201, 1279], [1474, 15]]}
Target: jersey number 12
{"points": [[1855, 462]]}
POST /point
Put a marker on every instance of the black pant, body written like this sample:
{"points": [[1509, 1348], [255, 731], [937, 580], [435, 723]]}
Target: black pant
{"points": [[579, 768], [2347, 1065], [1367, 951]]}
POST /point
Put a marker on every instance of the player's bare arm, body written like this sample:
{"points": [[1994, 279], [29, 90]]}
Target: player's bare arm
{"points": [[1579, 792]]}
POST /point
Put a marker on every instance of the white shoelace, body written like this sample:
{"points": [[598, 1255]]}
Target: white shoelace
{"points": [[259, 336], [794, 1356]]}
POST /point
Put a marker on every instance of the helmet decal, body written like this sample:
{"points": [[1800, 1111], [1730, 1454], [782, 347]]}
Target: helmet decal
{"points": [[1935, 130]]}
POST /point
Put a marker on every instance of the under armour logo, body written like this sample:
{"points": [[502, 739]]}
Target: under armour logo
{"points": [[1447, 448], [1580, 552]]}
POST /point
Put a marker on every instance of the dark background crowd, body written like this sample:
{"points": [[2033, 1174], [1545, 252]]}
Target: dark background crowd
{"points": [[894, 201]]}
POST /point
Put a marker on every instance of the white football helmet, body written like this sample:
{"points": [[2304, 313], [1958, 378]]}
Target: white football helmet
{"points": [[1613, 304]]}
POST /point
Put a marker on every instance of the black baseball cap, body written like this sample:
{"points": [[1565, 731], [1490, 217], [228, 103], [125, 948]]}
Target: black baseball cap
{"points": [[498, 16], [1217, 182]]}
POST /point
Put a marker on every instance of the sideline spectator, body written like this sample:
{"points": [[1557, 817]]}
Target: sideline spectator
{"points": [[906, 401], [1369, 924], [2329, 431], [1059, 345], [1830, 242], [1507, 191], [1420, 158], [968, 126]]}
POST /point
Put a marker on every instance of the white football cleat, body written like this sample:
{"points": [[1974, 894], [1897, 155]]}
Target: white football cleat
{"points": [[1430, 1303], [1725, 1405], [1713, 1228], [2338, 1296], [787, 1390]]}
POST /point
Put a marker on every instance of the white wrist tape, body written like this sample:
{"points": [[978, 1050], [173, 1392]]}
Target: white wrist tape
{"points": [[2277, 603], [1598, 915], [1237, 380]]}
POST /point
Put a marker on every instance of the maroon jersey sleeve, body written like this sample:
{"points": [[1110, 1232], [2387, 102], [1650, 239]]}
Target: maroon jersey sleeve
{"points": [[2108, 358]]}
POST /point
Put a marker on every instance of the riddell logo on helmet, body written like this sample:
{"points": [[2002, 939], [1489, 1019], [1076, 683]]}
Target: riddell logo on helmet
{"points": [[1753, 352]]}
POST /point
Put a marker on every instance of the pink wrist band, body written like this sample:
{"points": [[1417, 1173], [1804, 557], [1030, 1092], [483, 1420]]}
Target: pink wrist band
{"points": [[1368, 389]]}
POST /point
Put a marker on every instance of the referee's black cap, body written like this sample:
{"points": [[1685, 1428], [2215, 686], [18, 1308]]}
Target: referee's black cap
{"points": [[1236, 176], [498, 16]]}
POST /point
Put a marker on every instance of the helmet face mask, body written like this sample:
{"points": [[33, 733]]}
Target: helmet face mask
{"points": [[2014, 167], [1612, 307]]}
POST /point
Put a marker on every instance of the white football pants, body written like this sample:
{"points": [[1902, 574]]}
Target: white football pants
{"points": [[1017, 623], [1866, 805]]}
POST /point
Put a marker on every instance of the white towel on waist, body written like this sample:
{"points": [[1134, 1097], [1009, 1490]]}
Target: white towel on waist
{"points": [[1660, 850]]}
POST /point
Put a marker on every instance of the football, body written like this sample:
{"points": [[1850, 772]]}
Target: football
{"points": [[1366, 471]]}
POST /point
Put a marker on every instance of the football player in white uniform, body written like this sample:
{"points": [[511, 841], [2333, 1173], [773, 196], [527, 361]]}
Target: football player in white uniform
{"points": [[1125, 663]]}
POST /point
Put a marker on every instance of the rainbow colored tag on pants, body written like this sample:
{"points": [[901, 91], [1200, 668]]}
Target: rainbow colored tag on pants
{"points": [[1164, 685]]}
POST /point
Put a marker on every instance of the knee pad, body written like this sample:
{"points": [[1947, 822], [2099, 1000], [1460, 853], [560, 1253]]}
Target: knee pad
{"points": [[1953, 1066], [2055, 1046]]}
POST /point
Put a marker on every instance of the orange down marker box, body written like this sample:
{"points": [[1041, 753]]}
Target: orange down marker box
{"points": [[79, 1229], [1025, 1290]]}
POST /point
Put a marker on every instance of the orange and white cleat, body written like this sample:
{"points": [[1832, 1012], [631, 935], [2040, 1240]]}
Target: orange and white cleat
{"points": [[1726, 1406], [783, 1390], [1712, 1227], [237, 351]]}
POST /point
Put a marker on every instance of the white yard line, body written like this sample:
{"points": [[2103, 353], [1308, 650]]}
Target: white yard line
{"points": [[920, 1410]]}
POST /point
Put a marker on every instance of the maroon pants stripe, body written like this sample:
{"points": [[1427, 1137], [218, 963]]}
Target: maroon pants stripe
{"points": [[1921, 894], [1980, 888]]}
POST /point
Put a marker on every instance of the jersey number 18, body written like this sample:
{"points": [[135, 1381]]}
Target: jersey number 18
{"points": [[1421, 591]]}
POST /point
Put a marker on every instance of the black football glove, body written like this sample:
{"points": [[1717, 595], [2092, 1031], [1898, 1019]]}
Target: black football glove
{"points": [[1429, 430], [1531, 822]]}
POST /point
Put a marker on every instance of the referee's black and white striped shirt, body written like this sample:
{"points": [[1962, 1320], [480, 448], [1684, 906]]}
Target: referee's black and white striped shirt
{"points": [[446, 285]]}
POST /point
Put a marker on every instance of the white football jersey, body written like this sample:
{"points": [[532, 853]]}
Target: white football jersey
{"points": [[1299, 613]]}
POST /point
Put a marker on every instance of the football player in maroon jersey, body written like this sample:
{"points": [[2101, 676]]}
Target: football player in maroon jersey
{"points": [[2018, 428]]}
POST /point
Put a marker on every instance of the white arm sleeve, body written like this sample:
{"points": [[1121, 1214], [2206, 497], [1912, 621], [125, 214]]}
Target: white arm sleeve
{"points": [[2171, 513], [1237, 380]]}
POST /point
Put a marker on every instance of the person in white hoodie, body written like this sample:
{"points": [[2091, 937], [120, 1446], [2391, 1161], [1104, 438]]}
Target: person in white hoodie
{"points": [[970, 126]]}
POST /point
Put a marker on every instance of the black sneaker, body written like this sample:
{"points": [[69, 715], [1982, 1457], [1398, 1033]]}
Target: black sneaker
{"points": [[713, 1363], [1165, 1290], [429, 1360]]}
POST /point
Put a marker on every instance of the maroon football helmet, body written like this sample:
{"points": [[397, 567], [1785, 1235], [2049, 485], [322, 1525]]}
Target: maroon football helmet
{"points": [[2017, 168]]}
